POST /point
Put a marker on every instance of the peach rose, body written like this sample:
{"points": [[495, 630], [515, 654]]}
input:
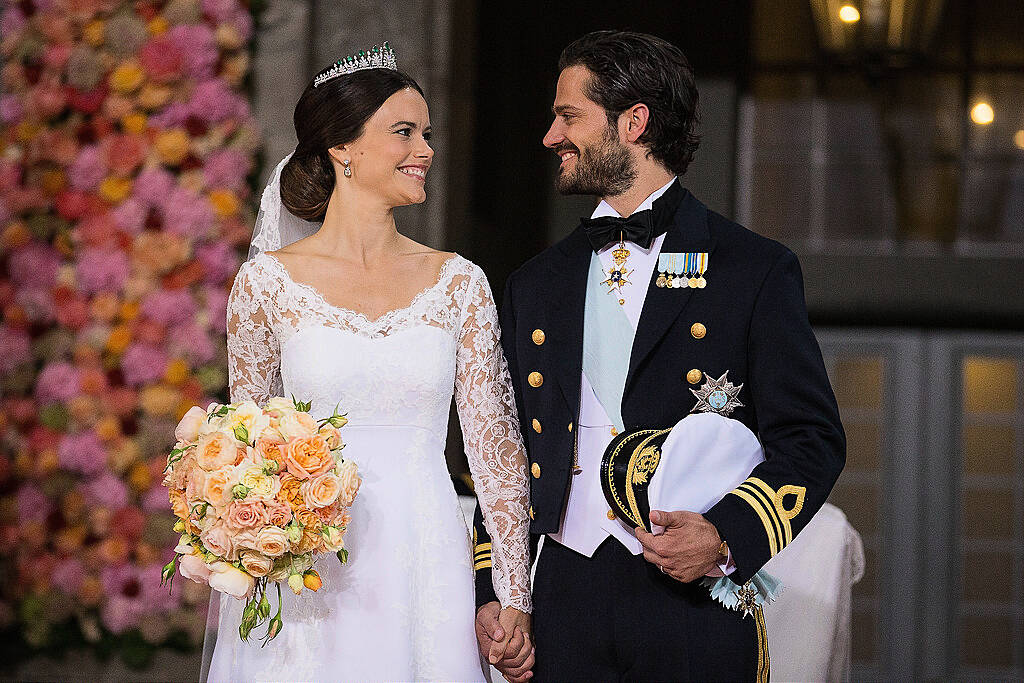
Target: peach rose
{"points": [[257, 564], [218, 540], [188, 427], [306, 458], [216, 485], [333, 538], [290, 492], [321, 491], [349, 480], [272, 541], [193, 567], [246, 514], [268, 446], [296, 424], [331, 436], [226, 578], [217, 449], [245, 539], [278, 513]]}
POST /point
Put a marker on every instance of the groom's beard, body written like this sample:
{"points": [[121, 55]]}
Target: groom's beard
{"points": [[604, 170]]}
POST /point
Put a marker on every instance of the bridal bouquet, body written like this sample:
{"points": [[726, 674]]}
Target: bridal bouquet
{"points": [[259, 493]]}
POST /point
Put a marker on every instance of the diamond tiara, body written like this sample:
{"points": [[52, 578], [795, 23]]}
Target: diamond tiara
{"points": [[377, 57]]}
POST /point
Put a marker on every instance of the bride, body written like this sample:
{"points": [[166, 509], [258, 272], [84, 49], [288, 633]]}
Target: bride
{"points": [[335, 307]]}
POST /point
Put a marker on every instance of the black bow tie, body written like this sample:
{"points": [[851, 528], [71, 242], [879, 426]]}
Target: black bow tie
{"points": [[638, 229]]}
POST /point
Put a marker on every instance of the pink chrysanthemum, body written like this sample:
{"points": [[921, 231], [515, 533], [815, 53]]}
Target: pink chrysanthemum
{"points": [[106, 491], [33, 504], [102, 269], [57, 382], [152, 186], [17, 350], [227, 168], [220, 261], [88, 169], [214, 101], [187, 214], [130, 215], [82, 453], [142, 363], [192, 342], [169, 307], [34, 265], [11, 109], [199, 47], [68, 575]]}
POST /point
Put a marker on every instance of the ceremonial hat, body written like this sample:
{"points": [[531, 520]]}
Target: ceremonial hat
{"points": [[689, 466]]}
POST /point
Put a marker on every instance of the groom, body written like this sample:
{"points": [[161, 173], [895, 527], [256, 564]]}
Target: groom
{"points": [[700, 296]]}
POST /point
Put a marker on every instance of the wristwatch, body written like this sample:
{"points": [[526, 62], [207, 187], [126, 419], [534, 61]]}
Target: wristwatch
{"points": [[723, 550]]}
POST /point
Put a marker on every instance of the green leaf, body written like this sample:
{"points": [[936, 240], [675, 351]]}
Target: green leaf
{"points": [[242, 434], [343, 555]]}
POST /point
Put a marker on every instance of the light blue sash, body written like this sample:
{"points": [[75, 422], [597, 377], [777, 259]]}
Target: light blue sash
{"points": [[607, 344]]}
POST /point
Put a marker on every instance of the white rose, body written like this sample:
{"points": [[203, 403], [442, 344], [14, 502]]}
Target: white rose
{"points": [[193, 567], [279, 405], [257, 564], [296, 424], [272, 541], [250, 416], [188, 428], [226, 578]]}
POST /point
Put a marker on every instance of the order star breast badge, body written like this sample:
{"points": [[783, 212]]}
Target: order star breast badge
{"points": [[717, 396]]}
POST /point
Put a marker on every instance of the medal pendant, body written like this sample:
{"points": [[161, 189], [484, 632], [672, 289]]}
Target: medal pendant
{"points": [[692, 283], [669, 282], [660, 282], [701, 283]]}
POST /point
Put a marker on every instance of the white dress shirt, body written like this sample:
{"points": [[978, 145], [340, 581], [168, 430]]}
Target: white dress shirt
{"points": [[585, 521]]}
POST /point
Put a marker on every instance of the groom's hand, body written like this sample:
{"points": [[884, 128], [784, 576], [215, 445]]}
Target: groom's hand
{"points": [[687, 550], [503, 639]]}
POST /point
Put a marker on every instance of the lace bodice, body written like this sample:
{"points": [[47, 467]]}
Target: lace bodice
{"points": [[398, 370]]}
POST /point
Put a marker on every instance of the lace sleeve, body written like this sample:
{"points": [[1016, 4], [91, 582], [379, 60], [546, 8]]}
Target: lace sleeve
{"points": [[254, 358], [494, 445]]}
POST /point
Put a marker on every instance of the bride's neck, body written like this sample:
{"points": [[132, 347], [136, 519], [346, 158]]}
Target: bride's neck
{"points": [[358, 228]]}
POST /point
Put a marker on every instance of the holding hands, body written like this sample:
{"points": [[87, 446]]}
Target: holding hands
{"points": [[503, 636], [688, 548]]}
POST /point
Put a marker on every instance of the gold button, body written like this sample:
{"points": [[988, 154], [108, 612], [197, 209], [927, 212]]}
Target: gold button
{"points": [[570, 426], [535, 470], [693, 376], [698, 331], [615, 432], [535, 379], [611, 515], [538, 337], [536, 425], [531, 512]]}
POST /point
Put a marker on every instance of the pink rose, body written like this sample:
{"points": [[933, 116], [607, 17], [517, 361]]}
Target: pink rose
{"points": [[193, 567], [246, 514], [278, 512], [219, 541], [187, 430]]}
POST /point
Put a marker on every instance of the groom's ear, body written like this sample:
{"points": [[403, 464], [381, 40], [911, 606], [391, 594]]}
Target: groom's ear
{"points": [[633, 122]]}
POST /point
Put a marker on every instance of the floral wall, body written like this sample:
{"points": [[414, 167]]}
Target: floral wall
{"points": [[126, 145]]}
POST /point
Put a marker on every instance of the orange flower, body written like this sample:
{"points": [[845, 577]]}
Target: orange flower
{"points": [[307, 457], [127, 77], [290, 491], [178, 503], [224, 203], [321, 491], [172, 146]]}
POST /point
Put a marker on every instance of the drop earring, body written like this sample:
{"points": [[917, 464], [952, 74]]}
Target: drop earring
{"points": [[348, 168]]}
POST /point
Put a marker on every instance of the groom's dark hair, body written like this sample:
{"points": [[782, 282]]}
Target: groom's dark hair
{"points": [[632, 68]]}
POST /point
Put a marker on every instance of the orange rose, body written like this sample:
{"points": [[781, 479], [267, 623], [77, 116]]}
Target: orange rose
{"points": [[278, 513], [216, 487], [217, 449], [290, 492], [306, 458], [178, 504], [321, 491], [270, 448]]}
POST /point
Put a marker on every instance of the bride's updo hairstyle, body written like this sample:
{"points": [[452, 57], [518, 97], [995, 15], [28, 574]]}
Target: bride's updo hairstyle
{"points": [[326, 116]]}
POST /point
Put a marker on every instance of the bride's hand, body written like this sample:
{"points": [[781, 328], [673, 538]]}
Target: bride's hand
{"points": [[513, 656]]}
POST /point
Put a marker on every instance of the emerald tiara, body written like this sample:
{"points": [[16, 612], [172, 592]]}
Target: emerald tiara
{"points": [[377, 57]]}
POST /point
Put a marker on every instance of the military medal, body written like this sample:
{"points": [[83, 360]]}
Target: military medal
{"points": [[618, 276], [691, 270], [717, 396], [702, 266]]}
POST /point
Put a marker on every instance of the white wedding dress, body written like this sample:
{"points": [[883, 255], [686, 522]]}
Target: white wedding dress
{"points": [[402, 608]]}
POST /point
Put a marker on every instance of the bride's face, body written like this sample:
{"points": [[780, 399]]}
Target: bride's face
{"points": [[392, 156]]}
